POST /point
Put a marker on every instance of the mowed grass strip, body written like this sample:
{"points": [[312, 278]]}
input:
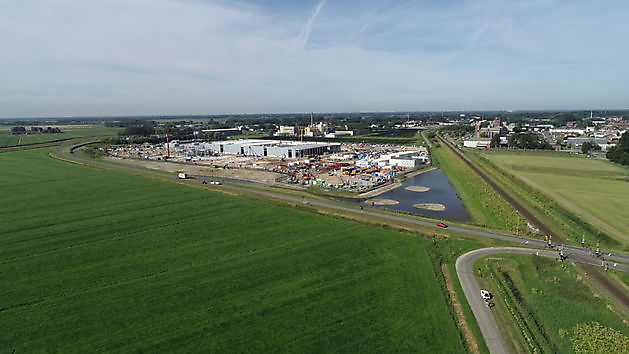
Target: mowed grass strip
{"points": [[94, 261]]}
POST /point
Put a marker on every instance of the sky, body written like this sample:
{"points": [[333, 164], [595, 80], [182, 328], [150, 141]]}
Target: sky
{"points": [[178, 57]]}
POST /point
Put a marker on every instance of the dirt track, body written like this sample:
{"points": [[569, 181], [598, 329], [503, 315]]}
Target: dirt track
{"points": [[264, 177], [597, 277]]}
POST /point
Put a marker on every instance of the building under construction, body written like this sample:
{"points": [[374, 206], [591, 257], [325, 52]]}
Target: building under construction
{"points": [[273, 148]]}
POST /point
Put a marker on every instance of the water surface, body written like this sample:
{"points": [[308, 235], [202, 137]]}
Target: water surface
{"points": [[441, 192]]}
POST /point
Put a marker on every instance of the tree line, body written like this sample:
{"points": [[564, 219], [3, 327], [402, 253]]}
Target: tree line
{"points": [[34, 130]]}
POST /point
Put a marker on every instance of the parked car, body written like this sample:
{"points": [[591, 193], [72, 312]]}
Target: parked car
{"points": [[486, 295], [442, 225]]}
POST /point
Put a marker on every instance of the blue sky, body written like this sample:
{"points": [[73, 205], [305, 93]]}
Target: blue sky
{"points": [[144, 57]]}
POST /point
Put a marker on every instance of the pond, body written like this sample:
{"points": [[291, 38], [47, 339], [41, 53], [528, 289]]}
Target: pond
{"points": [[431, 189]]}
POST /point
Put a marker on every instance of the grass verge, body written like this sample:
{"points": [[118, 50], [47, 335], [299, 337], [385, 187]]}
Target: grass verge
{"points": [[484, 205], [540, 302]]}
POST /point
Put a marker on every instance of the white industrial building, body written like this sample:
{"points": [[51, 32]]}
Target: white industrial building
{"points": [[575, 132], [259, 147], [481, 143], [408, 159], [577, 142]]}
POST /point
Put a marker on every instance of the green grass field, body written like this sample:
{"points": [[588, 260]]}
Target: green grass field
{"points": [[483, 204], [541, 303], [7, 139], [594, 190], [94, 260]]}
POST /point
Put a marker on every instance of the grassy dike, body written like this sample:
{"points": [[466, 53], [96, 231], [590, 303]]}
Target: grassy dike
{"points": [[98, 260], [541, 304], [559, 219], [484, 205]]}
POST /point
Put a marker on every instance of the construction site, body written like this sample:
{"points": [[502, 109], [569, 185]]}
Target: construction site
{"points": [[348, 167]]}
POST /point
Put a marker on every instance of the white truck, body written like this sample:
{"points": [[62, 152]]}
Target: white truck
{"points": [[182, 175]]}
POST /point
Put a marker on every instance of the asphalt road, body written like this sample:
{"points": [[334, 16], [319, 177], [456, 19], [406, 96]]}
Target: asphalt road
{"points": [[568, 250], [471, 289]]}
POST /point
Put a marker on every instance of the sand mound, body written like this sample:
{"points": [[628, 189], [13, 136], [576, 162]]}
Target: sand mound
{"points": [[430, 206], [417, 189], [381, 202]]}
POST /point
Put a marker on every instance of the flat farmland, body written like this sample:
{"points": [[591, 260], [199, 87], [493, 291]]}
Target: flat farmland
{"points": [[595, 190], [68, 132], [94, 261]]}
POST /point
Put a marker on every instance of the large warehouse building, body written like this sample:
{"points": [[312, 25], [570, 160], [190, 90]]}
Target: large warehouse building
{"points": [[274, 148]]}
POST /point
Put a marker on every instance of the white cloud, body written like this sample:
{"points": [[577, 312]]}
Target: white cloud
{"points": [[74, 57]]}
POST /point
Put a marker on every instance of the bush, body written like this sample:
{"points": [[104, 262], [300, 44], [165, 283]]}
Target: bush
{"points": [[596, 338]]}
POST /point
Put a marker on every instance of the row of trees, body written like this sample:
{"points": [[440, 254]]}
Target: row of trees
{"points": [[35, 130], [456, 130], [129, 123], [138, 131], [527, 140], [620, 152]]}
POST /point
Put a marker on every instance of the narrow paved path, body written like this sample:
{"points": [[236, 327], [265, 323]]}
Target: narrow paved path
{"points": [[471, 289]]}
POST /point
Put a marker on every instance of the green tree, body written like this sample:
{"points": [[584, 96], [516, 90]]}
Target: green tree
{"points": [[495, 141], [620, 152], [142, 130], [18, 130], [588, 146], [528, 140]]}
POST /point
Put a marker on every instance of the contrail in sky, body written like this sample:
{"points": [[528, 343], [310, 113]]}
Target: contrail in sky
{"points": [[305, 34]]}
